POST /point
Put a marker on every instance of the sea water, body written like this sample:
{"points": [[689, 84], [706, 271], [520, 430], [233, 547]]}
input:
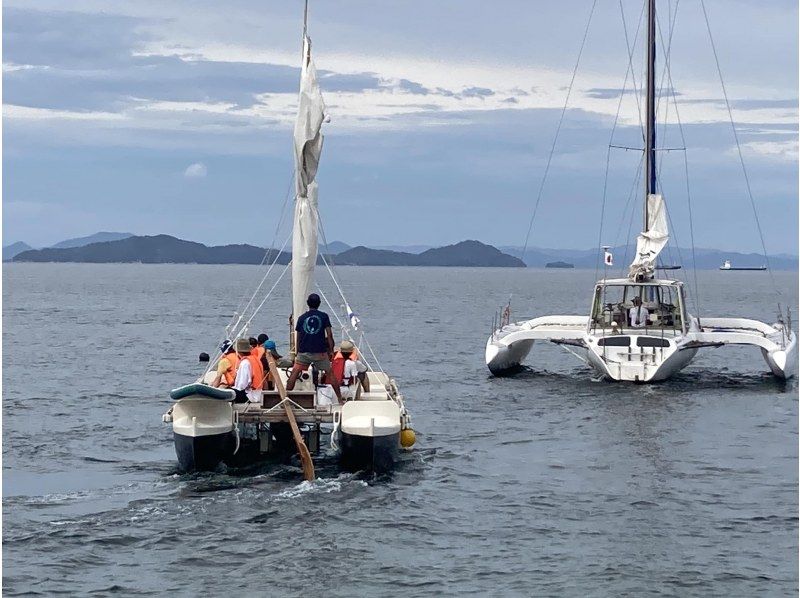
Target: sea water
{"points": [[546, 483]]}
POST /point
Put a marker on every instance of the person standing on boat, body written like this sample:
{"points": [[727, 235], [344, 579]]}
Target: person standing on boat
{"points": [[314, 344], [226, 366], [638, 314]]}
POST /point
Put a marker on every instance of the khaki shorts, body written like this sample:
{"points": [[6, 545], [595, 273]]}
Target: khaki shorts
{"points": [[319, 360]]}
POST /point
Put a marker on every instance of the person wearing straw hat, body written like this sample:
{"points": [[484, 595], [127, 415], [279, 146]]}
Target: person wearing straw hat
{"points": [[347, 368]]}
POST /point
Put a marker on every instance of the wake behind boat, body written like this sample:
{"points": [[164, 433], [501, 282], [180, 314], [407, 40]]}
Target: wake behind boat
{"points": [[279, 413], [638, 328]]}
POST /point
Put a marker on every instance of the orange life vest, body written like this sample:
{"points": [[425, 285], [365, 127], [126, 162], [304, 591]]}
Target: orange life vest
{"points": [[259, 351], [337, 367], [229, 375], [257, 371]]}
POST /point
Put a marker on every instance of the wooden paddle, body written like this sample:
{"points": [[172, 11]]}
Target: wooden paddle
{"points": [[302, 449]]}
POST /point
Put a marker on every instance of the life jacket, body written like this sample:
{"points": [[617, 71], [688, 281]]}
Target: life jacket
{"points": [[337, 367], [257, 372], [259, 351], [229, 375]]}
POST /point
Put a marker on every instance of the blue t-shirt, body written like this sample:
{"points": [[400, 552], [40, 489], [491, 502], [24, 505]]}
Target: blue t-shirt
{"points": [[311, 332]]}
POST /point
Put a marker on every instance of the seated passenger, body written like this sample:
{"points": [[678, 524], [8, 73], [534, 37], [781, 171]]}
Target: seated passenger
{"points": [[347, 368], [271, 349], [249, 374], [637, 315], [259, 346], [226, 366]]}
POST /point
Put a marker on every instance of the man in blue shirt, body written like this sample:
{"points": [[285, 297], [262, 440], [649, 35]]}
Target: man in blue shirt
{"points": [[314, 344]]}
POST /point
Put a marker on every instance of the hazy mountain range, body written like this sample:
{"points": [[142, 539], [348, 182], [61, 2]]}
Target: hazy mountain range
{"points": [[167, 248], [164, 249]]}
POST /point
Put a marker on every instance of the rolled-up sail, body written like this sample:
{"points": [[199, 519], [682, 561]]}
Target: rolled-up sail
{"points": [[307, 151], [650, 242]]}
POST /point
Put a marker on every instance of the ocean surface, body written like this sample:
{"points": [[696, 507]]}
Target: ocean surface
{"points": [[547, 483]]}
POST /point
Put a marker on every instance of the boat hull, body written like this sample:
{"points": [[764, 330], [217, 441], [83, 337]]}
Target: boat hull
{"points": [[203, 453], [369, 453], [506, 359], [669, 364]]}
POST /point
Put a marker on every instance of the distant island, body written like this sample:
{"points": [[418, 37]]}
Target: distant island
{"points": [[165, 249], [126, 247]]}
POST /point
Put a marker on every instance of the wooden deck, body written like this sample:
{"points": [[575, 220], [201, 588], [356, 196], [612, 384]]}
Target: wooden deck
{"points": [[270, 409]]}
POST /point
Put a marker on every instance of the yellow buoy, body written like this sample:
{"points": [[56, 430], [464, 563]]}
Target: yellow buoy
{"points": [[407, 438]]}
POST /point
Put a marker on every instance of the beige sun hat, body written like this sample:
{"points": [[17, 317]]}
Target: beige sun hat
{"points": [[243, 346], [347, 347]]}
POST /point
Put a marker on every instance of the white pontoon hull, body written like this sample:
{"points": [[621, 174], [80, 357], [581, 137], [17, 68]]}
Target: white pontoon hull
{"points": [[631, 357]]}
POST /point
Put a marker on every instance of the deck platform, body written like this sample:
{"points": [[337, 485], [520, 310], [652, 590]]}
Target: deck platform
{"points": [[271, 409]]}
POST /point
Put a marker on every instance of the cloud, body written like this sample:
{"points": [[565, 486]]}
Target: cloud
{"points": [[197, 170]]}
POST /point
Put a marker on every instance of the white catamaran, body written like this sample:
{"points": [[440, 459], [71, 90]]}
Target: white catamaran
{"points": [[368, 431], [638, 328]]}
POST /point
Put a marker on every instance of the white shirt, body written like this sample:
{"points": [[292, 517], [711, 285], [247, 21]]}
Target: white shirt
{"points": [[350, 372], [638, 316], [244, 379]]}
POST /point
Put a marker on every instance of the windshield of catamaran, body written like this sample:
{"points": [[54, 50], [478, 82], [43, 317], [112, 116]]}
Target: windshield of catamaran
{"points": [[632, 307]]}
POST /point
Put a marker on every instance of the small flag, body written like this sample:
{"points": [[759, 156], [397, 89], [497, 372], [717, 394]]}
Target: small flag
{"points": [[609, 257], [354, 321]]}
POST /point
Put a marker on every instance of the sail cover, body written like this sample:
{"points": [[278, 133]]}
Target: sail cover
{"points": [[650, 243], [307, 150]]}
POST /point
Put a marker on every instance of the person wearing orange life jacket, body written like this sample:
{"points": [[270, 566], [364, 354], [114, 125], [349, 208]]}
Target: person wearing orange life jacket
{"points": [[347, 368], [226, 366], [259, 345], [249, 374]]}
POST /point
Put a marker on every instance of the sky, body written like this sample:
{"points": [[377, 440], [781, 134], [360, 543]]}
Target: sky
{"points": [[175, 117]]}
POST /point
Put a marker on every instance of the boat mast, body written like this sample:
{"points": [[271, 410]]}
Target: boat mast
{"points": [[650, 125]]}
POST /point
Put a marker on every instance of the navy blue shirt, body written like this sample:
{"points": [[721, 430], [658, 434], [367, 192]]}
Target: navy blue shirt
{"points": [[311, 332]]}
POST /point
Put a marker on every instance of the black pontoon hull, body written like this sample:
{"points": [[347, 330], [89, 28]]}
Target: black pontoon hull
{"points": [[203, 453], [369, 453]]}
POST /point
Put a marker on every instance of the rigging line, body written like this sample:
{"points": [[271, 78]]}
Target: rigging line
{"points": [[241, 315], [696, 294], [667, 49], [558, 130], [346, 329], [347, 303], [739, 150], [631, 48], [630, 222], [628, 71], [218, 354], [267, 253], [631, 194], [263, 301]]}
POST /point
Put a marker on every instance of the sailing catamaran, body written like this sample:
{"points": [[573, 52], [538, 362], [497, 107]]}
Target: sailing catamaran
{"points": [[638, 328], [368, 431]]}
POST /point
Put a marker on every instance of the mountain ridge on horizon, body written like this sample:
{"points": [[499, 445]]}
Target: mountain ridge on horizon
{"points": [[165, 249], [707, 258]]}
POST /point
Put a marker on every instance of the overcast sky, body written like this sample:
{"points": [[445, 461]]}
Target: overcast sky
{"points": [[175, 117]]}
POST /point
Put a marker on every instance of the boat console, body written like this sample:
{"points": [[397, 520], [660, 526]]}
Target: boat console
{"points": [[613, 300]]}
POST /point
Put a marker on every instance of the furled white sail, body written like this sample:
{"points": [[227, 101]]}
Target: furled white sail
{"points": [[650, 243], [307, 150]]}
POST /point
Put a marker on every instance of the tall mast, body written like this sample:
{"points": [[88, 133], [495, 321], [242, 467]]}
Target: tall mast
{"points": [[650, 125]]}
